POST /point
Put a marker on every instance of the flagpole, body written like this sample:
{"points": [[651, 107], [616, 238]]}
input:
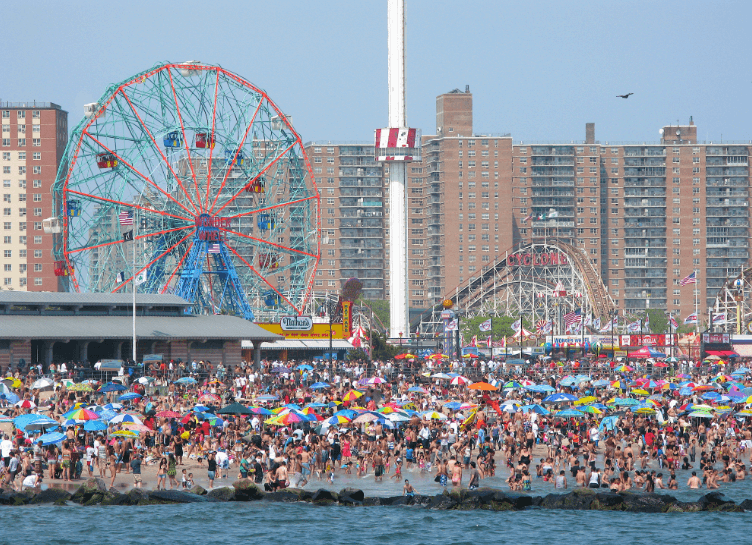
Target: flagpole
{"points": [[133, 260], [697, 316]]}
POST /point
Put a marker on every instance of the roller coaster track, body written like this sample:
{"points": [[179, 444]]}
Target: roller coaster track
{"points": [[486, 285]]}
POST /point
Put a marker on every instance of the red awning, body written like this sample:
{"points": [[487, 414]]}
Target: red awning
{"points": [[716, 352], [730, 353]]}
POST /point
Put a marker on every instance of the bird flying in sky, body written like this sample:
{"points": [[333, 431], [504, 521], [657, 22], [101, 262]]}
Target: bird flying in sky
{"points": [[624, 96]]}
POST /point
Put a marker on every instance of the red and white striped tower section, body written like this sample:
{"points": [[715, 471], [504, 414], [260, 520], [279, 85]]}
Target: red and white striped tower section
{"points": [[397, 145]]}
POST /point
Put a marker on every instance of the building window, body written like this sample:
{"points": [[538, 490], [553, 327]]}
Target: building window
{"points": [[37, 281]]}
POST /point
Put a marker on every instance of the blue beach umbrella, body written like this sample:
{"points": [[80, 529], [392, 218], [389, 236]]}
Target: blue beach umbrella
{"points": [[319, 385], [129, 396], [51, 438], [95, 425]]}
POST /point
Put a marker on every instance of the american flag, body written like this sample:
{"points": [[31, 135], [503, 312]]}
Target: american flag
{"points": [[689, 279], [573, 317], [213, 248], [125, 218]]}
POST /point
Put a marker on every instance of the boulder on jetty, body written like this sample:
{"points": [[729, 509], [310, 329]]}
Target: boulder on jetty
{"points": [[324, 497], [246, 490], [226, 493], [351, 496], [176, 496], [91, 492], [51, 495]]}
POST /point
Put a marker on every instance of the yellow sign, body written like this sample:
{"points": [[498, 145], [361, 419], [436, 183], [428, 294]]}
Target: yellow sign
{"points": [[318, 331]]}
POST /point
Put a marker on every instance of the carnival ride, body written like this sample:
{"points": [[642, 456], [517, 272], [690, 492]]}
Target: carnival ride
{"points": [[539, 281], [189, 180]]}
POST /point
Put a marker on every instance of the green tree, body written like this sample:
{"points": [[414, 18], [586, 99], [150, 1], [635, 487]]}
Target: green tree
{"points": [[380, 310], [381, 349], [658, 321], [501, 327]]}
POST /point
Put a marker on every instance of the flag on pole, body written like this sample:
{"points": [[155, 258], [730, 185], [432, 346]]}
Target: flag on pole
{"points": [[474, 341], [573, 317], [689, 279], [528, 218], [488, 341], [140, 278], [485, 326], [691, 319], [213, 248], [597, 323], [125, 218], [634, 327], [517, 325], [719, 318], [451, 326], [548, 327], [646, 322], [672, 321], [128, 235], [610, 325], [120, 278]]}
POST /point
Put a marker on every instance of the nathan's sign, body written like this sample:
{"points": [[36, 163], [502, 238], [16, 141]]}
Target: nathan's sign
{"points": [[296, 323], [304, 328], [537, 259]]}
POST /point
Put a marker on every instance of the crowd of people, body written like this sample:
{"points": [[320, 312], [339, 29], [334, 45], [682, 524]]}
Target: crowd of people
{"points": [[287, 424]]}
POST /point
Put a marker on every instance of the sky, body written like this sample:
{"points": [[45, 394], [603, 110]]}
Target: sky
{"points": [[539, 70]]}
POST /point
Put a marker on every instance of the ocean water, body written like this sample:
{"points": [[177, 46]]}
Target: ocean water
{"points": [[258, 522]]}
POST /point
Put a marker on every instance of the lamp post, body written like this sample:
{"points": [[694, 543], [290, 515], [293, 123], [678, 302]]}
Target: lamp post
{"points": [[417, 338], [330, 311]]}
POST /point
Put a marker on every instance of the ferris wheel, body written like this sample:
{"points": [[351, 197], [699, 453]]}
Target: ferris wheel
{"points": [[188, 179]]}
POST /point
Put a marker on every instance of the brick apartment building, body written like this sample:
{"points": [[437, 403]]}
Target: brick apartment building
{"points": [[34, 135], [646, 214]]}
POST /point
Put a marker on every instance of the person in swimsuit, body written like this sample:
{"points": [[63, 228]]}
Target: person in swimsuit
{"points": [[408, 489], [457, 474]]}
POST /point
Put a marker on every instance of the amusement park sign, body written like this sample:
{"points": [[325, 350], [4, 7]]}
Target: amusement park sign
{"points": [[537, 259], [296, 323], [647, 340]]}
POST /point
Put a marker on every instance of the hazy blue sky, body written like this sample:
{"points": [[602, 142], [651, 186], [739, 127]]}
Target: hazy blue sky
{"points": [[539, 70]]}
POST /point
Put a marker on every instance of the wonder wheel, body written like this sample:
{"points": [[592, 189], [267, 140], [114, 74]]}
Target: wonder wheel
{"points": [[189, 180]]}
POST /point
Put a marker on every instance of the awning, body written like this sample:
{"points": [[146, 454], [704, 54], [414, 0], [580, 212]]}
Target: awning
{"points": [[744, 350], [337, 344], [725, 353]]}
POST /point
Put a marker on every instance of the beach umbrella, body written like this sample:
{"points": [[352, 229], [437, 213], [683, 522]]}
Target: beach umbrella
{"points": [[304, 367], [124, 433], [375, 380], [640, 392], [404, 356], [367, 417], [535, 408], [591, 410], [42, 383], [398, 417], [12, 382], [458, 380], [625, 402], [209, 398], [281, 370], [259, 410], [560, 398], [51, 438], [112, 387], [25, 404], [336, 421], [168, 414], [700, 414], [267, 397], [113, 406], [441, 375], [234, 408], [570, 413], [453, 405], [512, 384], [484, 386], [82, 414], [347, 413], [129, 396], [672, 359], [94, 425], [125, 418], [185, 380], [417, 389], [645, 410], [587, 400], [352, 395], [145, 380], [438, 357], [433, 415], [319, 385]]}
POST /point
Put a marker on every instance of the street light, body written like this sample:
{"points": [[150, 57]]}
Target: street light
{"points": [[417, 338]]}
